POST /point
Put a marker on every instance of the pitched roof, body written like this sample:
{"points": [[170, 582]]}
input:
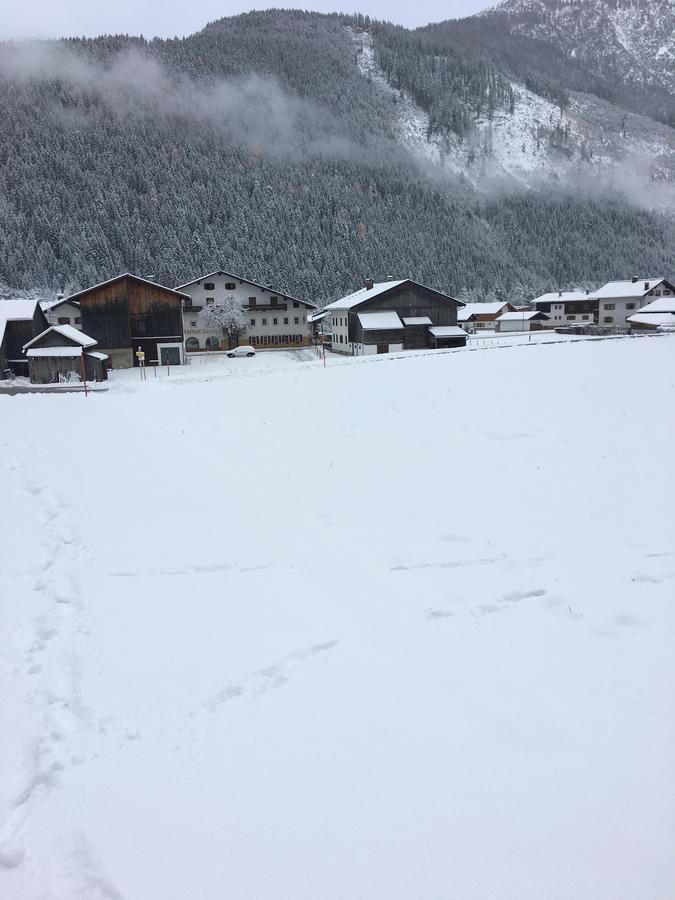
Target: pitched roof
{"points": [[655, 319], [382, 320], [448, 331], [565, 297], [521, 315], [364, 294], [69, 352], [67, 332], [660, 305], [484, 309], [15, 311], [119, 278], [48, 305], [417, 320], [264, 287], [628, 288]]}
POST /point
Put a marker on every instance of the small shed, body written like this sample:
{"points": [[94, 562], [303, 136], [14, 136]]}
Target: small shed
{"points": [[524, 320], [444, 336], [60, 353]]}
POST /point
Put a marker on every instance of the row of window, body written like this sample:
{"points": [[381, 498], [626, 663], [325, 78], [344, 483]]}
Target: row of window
{"points": [[65, 320], [296, 321], [210, 286], [613, 306], [339, 320], [276, 339]]}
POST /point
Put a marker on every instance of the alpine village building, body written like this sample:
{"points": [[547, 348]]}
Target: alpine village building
{"points": [[611, 306], [127, 314], [389, 316], [20, 321], [274, 320]]}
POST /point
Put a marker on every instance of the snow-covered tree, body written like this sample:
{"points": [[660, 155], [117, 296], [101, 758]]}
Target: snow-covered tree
{"points": [[226, 314]]}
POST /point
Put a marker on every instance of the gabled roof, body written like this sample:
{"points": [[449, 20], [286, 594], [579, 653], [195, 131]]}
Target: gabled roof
{"points": [[660, 305], [448, 331], [364, 294], [484, 309], [48, 305], [67, 332], [655, 319], [628, 288], [521, 315], [119, 278], [565, 297], [15, 311], [264, 287]]}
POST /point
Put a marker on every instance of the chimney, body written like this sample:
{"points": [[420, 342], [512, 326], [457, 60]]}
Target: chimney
{"points": [[588, 290], [560, 293], [634, 279], [646, 285], [369, 284]]}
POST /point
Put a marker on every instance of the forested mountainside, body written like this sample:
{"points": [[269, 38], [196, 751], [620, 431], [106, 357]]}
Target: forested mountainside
{"points": [[262, 145]]}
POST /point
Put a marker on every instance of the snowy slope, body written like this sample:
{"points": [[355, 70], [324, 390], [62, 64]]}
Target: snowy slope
{"points": [[396, 634], [589, 139]]}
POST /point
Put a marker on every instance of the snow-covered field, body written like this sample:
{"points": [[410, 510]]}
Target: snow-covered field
{"points": [[393, 629]]}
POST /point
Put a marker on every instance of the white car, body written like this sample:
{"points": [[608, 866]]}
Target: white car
{"points": [[241, 350]]}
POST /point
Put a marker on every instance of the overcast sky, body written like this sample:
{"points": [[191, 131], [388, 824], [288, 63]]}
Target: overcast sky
{"points": [[60, 18]]}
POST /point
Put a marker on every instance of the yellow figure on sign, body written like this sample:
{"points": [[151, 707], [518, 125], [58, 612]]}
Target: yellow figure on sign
{"points": [[140, 356]]}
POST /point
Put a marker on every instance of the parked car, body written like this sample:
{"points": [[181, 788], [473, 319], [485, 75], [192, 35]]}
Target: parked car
{"points": [[241, 350]]}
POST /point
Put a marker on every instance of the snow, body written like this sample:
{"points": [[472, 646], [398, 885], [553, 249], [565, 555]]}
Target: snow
{"points": [[382, 320], [363, 294], [652, 318], [448, 331], [66, 331], [55, 351], [15, 311], [429, 671], [660, 305], [417, 320], [96, 354], [565, 297], [617, 289], [520, 315], [482, 309]]}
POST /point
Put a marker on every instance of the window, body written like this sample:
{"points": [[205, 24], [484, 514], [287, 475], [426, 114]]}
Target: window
{"points": [[608, 319], [230, 286], [273, 301], [295, 320], [253, 340], [608, 306], [630, 306], [252, 321], [264, 321], [295, 304], [209, 301], [275, 321], [64, 320], [285, 321], [584, 317], [77, 320], [570, 318], [251, 301], [209, 286], [193, 324]]}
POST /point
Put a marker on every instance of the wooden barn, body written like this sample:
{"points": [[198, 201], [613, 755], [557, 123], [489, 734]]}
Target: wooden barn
{"points": [[129, 313], [63, 353], [394, 315], [20, 320]]}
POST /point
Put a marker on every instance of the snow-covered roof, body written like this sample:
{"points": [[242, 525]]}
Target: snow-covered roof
{"points": [[15, 311], [655, 319], [447, 331], [47, 305], [383, 320], [618, 289], [265, 287], [54, 351], [66, 331], [565, 297], [660, 305], [96, 354], [417, 320], [316, 317], [119, 278], [364, 294], [483, 309], [522, 314]]}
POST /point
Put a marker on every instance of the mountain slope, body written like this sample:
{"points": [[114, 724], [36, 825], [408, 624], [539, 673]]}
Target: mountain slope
{"points": [[271, 144]]}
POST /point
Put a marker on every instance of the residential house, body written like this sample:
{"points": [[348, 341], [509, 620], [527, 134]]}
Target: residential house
{"points": [[273, 319], [523, 320], [127, 313], [567, 307], [62, 312], [660, 312], [64, 353], [618, 300], [20, 320], [482, 316], [389, 316]]}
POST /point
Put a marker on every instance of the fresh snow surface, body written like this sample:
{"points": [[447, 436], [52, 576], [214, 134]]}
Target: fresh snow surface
{"points": [[55, 351], [438, 666], [382, 320]]}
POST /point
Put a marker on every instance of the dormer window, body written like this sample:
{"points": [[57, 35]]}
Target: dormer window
{"points": [[209, 286]]}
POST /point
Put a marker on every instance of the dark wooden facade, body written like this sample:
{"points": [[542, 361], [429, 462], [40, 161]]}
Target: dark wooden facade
{"points": [[408, 300], [17, 333], [129, 312], [57, 368]]}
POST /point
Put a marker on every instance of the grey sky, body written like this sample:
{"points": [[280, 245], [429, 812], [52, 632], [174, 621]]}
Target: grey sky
{"points": [[48, 18]]}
